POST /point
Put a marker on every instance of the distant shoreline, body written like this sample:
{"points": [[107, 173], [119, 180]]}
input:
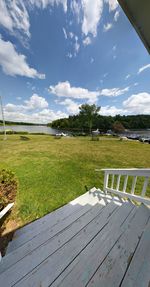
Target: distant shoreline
{"points": [[7, 123]]}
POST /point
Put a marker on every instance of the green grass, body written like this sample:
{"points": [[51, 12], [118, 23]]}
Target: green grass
{"points": [[52, 172]]}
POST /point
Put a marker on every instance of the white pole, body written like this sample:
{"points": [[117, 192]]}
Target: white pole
{"points": [[3, 119]]}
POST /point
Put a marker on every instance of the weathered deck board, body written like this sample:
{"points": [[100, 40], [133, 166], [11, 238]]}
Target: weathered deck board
{"points": [[71, 225], [39, 226], [96, 240], [36, 265], [82, 200], [112, 270], [138, 273], [83, 267]]}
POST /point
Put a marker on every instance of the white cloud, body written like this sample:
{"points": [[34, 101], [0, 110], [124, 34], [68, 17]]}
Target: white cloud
{"points": [[113, 4], [87, 41], [14, 15], [127, 76], [71, 106], [76, 47], [5, 18], [43, 117], [69, 55], [65, 33], [88, 13], [76, 8], [64, 89], [143, 68], [33, 110], [14, 108], [111, 111], [114, 48], [107, 27], [71, 35], [13, 63], [138, 104], [44, 3], [115, 92], [36, 102], [91, 60], [105, 75], [116, 16], [92, 12]]}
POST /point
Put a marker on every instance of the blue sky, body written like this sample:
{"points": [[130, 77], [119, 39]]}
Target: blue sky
{"points": [[57, 54]]}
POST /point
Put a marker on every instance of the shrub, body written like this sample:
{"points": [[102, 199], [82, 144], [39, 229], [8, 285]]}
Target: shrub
{"points": [[8, 187]]}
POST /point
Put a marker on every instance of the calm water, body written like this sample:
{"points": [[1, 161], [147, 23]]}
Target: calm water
{"points": [[140, 132], [31, 129], [48, 130]]}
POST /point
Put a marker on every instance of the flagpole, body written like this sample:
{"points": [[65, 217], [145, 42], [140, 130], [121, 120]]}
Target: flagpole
{"points": [[3, 119]]}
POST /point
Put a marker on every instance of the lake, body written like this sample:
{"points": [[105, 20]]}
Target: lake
{"points": [[30, 129], [48, 130]]}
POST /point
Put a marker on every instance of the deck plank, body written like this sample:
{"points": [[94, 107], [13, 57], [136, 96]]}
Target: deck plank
{"points": [[73, 223], [83, 267], [111, 271], [59, 261], [36, 265], [39, 226], [138, 273]]}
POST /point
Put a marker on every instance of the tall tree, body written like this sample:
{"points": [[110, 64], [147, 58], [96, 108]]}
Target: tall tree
{"points": [[88, 113]]}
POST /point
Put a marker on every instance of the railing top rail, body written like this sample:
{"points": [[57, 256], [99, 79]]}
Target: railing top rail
{"points": [[127, 171]]}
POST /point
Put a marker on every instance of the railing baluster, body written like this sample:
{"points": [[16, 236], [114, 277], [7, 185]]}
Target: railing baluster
{"points": [[118, 182], [145, 186], [112, 181], [125, 183], [133, 184], [126, 173], [106, 180]]}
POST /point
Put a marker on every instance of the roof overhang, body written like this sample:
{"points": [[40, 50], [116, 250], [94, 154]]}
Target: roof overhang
{"points": [[138, 12]]}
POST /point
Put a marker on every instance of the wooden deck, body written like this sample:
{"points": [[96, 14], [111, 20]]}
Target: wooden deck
{"points": [[95, 240]]}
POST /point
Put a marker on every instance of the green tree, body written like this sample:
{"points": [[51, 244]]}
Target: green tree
{"points": [[88, 113]]}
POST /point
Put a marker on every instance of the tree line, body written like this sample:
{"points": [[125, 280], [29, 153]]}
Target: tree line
{"points": [[89, 118], [20, 123]]}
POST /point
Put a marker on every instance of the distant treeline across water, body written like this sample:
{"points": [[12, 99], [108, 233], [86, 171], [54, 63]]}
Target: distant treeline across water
{"points": [[20, 123], [103, 123]]}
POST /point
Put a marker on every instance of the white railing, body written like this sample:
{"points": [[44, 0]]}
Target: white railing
{"points": [[115, 178]]}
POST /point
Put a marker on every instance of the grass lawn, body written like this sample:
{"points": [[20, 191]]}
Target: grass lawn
{"points": [[52, 172]]}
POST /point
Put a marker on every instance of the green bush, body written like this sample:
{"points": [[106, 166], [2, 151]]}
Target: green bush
{"points": [[6, 176], [8, 187]]}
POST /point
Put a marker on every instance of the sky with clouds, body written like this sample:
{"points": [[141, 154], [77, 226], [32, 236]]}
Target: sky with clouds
{"points": [[58, 54]]}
